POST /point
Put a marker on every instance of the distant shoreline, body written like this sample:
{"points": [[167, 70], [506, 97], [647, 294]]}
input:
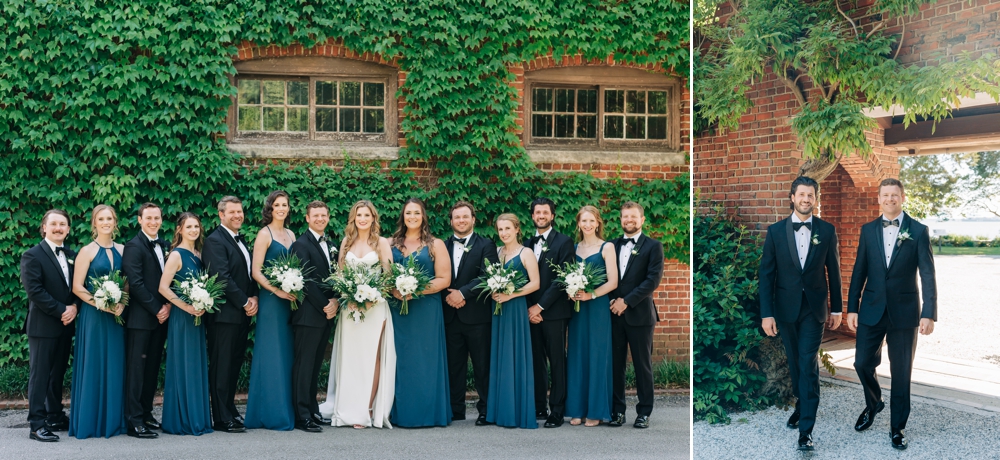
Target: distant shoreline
{"points": [[981, 226]]}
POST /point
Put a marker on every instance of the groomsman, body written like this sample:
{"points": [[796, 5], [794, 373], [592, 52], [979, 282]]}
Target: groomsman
{"points": [[882, 304], [146, 327], [549, 312], [312, 322], [227, 254], [799, 273], [468, 317], [47, 274], [633, 315]]}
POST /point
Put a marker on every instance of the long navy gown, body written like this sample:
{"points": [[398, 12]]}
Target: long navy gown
{"points": [[186, 408], [588, 363], [98, 390], [512, 380], [421, 357], [269, 400]]}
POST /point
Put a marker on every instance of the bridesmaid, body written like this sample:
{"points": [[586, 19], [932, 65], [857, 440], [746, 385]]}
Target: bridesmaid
{"points": [[588, 365], [186, 409], [269, 401], [421, 353], [98, 390], [512, 381]]}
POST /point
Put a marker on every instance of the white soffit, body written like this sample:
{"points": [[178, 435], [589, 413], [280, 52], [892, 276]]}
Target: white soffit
{"points": [[963, 102]]}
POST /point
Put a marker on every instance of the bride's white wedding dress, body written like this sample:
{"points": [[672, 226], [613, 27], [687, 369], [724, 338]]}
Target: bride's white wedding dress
{"points": [[352, 364]]}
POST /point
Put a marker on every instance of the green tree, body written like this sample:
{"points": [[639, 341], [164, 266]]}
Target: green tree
{"points": [[932, 187]]}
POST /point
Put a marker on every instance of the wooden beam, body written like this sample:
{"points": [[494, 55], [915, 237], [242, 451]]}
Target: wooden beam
{"points": [[951, 129]]}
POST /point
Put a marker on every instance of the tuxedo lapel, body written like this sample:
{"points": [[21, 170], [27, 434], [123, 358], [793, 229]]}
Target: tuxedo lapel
{"points": [[236, 246], [319, 249], [903, 226], [813, 235], [55, 260], [451, 249], [793, 251], [877, 228], [637, 247]]}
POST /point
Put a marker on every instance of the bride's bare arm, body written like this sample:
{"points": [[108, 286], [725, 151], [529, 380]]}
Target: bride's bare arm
{"points": [[385, 253]]}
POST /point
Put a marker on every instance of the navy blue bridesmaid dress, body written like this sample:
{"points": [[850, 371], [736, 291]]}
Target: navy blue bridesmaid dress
{"points": [[269, 400], [98, 389], [186, 408], [512, 380], [421, 356], [588, 363]]}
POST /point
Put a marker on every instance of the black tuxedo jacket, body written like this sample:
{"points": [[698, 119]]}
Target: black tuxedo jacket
{"points": [[48, 291], [877, 287], [641, 277], [222, 256], [553, 299], [309, 251], [143, 272], [783, 279], [471, 270]]}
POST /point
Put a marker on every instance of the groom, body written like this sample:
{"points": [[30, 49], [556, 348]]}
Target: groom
{"points": [[882, 304], [799, 272]]}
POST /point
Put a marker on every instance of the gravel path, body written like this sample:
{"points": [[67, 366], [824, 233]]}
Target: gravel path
{"points": [[968, 309]]}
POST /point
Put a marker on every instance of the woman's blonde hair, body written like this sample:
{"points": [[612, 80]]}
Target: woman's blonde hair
{"points": [[509, 217], [351, 231], [597, 215], [93, 220]]}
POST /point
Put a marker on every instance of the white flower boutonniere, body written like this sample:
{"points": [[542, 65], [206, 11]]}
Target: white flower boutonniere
{"points": [[815, 240], [635, 251], [545, 247], [466, 249], [69, 261], [903, 236]]}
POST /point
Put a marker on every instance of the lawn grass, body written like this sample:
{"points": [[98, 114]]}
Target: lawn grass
{"points": [[964, 251]]}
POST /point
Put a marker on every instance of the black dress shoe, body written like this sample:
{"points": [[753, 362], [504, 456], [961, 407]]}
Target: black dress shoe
{"points": [[141, 432], [481, 421], [61, 425], [320, 420], [239, 420], [806, 441], [308, 426], [898, 439], [617, 419], [641, 421], [230, 427], [152, 424], [867, 417], [43, 434], [793, 420], [554, 421], [456, 416], [541, 415]]}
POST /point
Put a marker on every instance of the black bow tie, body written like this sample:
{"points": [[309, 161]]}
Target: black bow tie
{"points": [[461, 241], [890, 223], [322, 239], [796, 226], [157, 242], [630, 240], [240, 239], [535, 239], [59, 249]]}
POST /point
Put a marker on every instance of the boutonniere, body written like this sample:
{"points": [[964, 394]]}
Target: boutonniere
{"points": [[469, 247], [333, 251], [815, 240], [903, 236], [69, 261], [635, 249], [545, 247]]}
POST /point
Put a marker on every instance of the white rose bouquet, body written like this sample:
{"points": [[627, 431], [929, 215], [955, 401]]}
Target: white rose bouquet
{"points": [[409, 280], [503, 280], [288, 274], [108, 291], [579, 276], [360, 285], [201, 291]]}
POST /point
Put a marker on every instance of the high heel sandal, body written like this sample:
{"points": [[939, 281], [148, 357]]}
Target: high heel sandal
{"points": [[592, 423], [575, 421]]}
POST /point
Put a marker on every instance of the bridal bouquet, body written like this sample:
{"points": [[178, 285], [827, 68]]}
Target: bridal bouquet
{"points": [[286, 272], [201, 291], [410, 280], [360, 285], [109, 290], [579, 276], [503, 280]]}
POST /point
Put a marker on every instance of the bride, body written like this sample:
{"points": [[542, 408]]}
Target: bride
{"points": [[363, 364]]}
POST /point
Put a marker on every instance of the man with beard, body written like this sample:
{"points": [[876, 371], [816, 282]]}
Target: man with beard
{"points": [[800, 256]]}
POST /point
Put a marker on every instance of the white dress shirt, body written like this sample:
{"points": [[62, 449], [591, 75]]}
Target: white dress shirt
{"points": [[626, 254], [324, 246], [246, 253], [457, 251], [156, 249], [61, 257], [802, 237], [889, 235], [538, 246]]}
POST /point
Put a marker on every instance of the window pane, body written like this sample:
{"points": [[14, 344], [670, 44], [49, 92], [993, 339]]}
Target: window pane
{"points": [[298, 119], [274, 119], [274, 92], [541, 125], [541, 100], [249, 92], [586, 126], [249, 119], [636, 102], [635, 127], [586, 100], [350, 94], [564, 101], [614, 127], [657, 127], [614, 101], [374, 95], [657, 102], [350, 120], [326, 93], [564, 125], [298, 93], [326, 120], [374, 119]]}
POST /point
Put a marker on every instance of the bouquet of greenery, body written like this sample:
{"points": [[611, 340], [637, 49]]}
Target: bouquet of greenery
{"points": [[409, 280], [503, 280], [360, 286], [286, 272], [109, 290], [579, 276], [201, 291]]}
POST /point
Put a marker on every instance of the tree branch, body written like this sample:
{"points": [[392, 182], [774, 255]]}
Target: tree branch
{"points": [[855, 27], [902, 36], [796, 91]]}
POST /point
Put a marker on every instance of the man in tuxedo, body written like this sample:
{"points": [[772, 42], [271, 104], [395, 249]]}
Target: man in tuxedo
{"points": [[882, 304], [549, 313], [468, 317], [312, 322], [146, 321], [47, 277], [633, 315], [799, 273], [227, 254]]}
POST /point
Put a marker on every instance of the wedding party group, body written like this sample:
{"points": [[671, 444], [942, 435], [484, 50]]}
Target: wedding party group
{"points": [[547, 322]]}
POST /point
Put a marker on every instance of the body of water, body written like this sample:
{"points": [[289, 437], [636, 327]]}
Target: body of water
{"points": [[989, 228]]}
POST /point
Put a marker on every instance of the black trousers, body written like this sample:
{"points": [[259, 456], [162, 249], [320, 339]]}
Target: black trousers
{"points": [[465, 342], [143, 355], [638, 340], [309, 345], [227, 346], [902, 343], [48, 358], [548, 342], [802, 340]]}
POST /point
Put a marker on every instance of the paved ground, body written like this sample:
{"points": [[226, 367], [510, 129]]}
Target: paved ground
{"points": [[668, 437], [968, 309]]}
